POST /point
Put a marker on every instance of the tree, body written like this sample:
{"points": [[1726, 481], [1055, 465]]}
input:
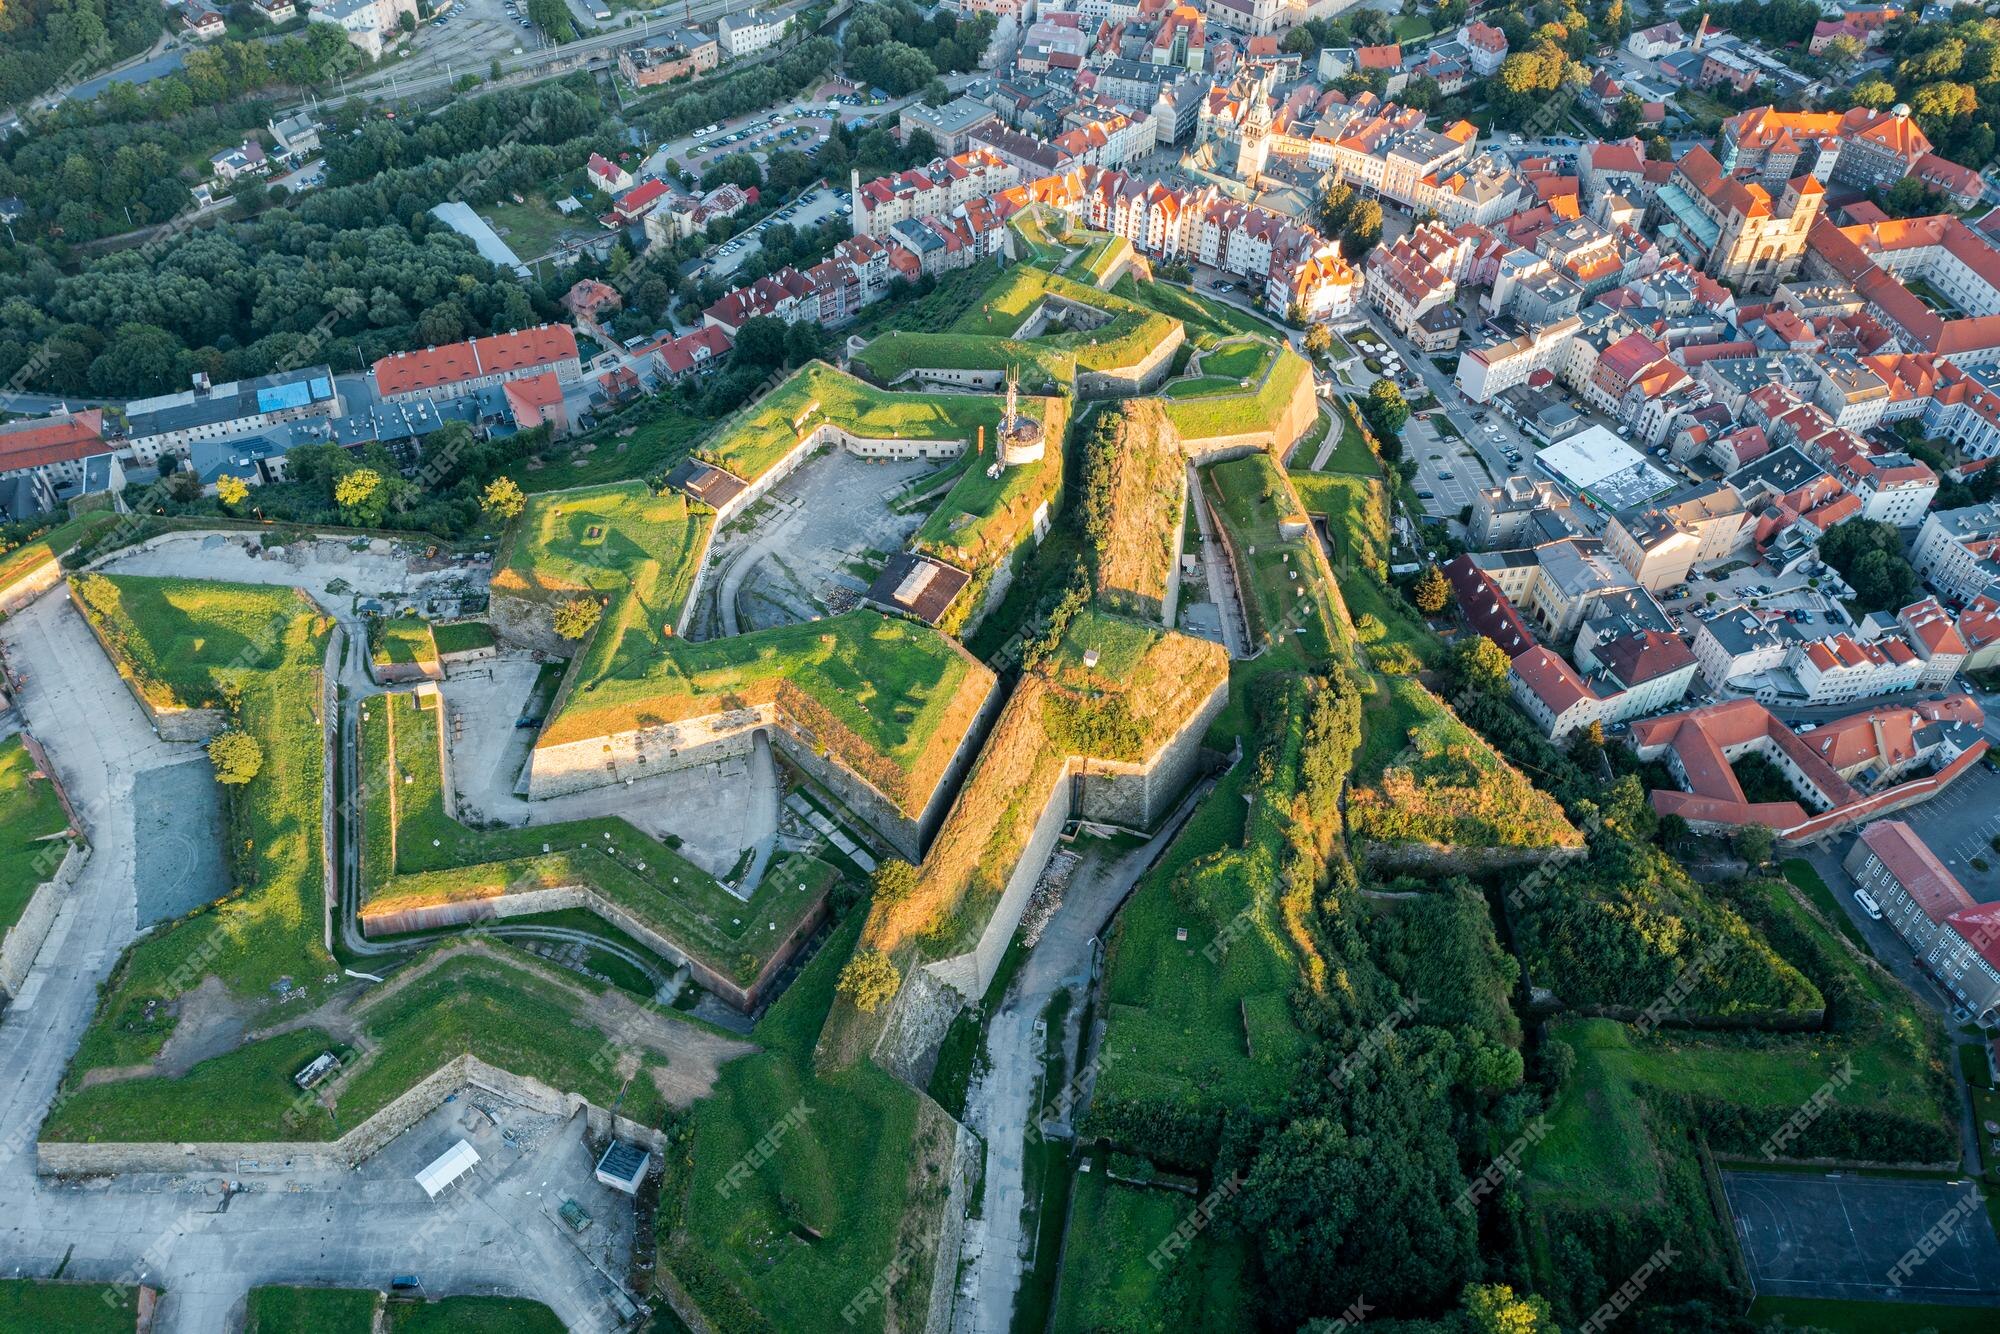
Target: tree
{"points": [[1385, 409], [503, 499], [231, 491], [1494, 1309], [1480, 665], [1842, 52], [870, 980], [1319, 340], [1658, 149], [1875, 93], [1755, 844], [407, 22], [1869, 555], [761, 342], [236, 756], [894, 881], [804, 340], [358, 494], [576, 617], [1432, 592]]}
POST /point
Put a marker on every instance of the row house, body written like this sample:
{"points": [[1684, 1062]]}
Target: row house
{"points": [[939, 188], [457, 369], [1415, 281], [1838, 668], [1627, 677]]}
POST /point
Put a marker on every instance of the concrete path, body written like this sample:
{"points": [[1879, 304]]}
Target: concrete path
{"points": [[357, 1228], [1007, 1099], [1221, 573]]}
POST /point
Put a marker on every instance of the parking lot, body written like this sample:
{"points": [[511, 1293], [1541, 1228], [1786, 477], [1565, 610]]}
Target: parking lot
{"points": [[808, 210]]}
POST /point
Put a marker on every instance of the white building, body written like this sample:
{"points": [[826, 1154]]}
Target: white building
{"points": [[751, 31], [371, 25], [1959, 550]]}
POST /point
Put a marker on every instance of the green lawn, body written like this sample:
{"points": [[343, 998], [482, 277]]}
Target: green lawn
{"points": [[462, 636], [1286, 600], [1109, 1281], [1207, 321], [818, 1221], [280, 1310], [402, 641], [191, 642], [33, 1306], [436, 858], [23, 560], [606, 539], [1802, 873], [1238, 360], [30, 813], [508, 1011], [473, 1315], [751, 442], [1248, 410], [644, 440], [531, 230], [1845, 1317]]}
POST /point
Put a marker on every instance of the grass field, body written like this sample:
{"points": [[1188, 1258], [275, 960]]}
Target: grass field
{"points": [[187, 641], [1207, 321], [1802, 873], [1245, 359], [462, 636], [473, 1315], [1844, 1317], [644, 440], [530, 230], [504, 1008], [888, 697], [23, 560], [1208, 415], [32, 1306], [281, 1310], [983, 520], [435, 858], [818, 1221], [750, 443], [605, 539], [402, 641], [30, 813], [1108, 1281], [1286, 600]]}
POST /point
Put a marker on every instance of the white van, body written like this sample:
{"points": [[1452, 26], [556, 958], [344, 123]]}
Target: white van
{"points": [[1868, 905]]}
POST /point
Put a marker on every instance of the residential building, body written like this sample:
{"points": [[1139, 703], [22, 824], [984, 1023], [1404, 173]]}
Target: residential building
{"points": [[1954, 937], [949, 126], [1414, 281], [172, 423], [370, 25], [1958, 551], [1513, 514], [674, 52], [53, 449], [296, 135], [751, 31], [1659, 543], [457, 369]]}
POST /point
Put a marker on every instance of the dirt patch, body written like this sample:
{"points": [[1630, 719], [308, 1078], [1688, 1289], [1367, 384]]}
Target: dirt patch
{"points": [[211, 1022]]}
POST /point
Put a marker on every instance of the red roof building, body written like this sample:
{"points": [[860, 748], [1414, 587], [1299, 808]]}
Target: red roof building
{"points": [[460, 368]]}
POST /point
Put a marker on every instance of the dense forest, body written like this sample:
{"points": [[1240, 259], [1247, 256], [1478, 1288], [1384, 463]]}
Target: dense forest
{"points": [[44, 43]]}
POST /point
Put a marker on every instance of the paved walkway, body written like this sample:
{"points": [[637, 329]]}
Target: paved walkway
{"points": [[1221, 573], [1008, 1098], [341, 1228]]}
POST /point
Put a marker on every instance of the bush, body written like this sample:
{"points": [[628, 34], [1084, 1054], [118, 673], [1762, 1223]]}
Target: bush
{"points": [[237, 757], [577, 617], [870, 980]]}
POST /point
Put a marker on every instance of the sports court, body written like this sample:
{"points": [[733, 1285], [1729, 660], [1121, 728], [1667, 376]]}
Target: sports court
{"points": [[1852, 1237]]}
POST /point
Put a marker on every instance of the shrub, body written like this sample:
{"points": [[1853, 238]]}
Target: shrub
{"points": [[237, 757], [870, 980], [577, 617]]}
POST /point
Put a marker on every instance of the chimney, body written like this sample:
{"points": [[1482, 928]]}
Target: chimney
{"points": [[1700, 33]]}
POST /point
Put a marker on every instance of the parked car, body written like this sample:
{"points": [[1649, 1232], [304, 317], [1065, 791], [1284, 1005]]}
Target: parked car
{"points": [[1868, 904]]}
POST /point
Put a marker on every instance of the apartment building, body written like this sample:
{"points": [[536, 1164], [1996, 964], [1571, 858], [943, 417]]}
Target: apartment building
{"points": [[1659, 543], [1958, 551], [171, 423], [1518, 512], [456, 369], [1954, 937]]}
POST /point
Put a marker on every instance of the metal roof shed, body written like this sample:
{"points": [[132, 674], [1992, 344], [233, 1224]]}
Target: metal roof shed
{"points": [[446, 1168]]}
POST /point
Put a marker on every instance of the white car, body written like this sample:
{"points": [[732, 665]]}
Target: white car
{"points": [[1868, 905]]}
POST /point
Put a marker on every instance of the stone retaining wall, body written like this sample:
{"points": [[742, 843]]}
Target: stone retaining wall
{"points": [[54, 1158], [30, 586], [1142, 377], [171, 722], [25, 938]]}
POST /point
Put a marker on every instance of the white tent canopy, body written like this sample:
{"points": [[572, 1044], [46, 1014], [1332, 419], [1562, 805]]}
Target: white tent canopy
{"points": [[448, 1167]]}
